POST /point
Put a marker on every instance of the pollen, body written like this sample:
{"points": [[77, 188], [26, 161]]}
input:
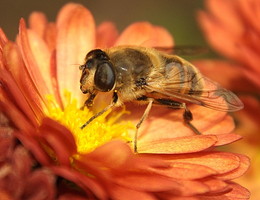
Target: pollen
{"points": [[101, 130]]}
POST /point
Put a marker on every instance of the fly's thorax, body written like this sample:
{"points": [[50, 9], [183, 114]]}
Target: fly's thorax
{"points": [[131, 65]]}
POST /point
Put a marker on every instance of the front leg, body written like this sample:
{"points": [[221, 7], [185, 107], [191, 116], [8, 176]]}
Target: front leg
{"points": [[89, 102], [115, 99]]}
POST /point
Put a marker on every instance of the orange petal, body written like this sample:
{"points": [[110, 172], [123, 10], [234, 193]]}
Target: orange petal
{"points": [[178, 145], [42, 57], [239, 171], [38, 23], [237, 192], [224, 139], [189, 188], [249, 120], [40, 181], [3, 39], [185, 171], [146, 182], [250, 58], [163, 123], [106, 35], [145, 34], [234, 77], [75, 38], [218, 161], [217, 36], [13, 114], [110, 158], [32, 62], [118, 193], [35, 147], [15, 66], [59, 139], [50, 36], [226, 13], [171, 197], [250, 10], [253, 77], [215, 185], [17, 106], [87, 183]]}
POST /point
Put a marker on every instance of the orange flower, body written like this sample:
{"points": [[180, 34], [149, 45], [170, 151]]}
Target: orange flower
{"points": [[99, 161], [233, 29]]}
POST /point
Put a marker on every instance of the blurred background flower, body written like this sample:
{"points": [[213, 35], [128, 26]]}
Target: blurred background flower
{"points": [[232, 29], [169, 14]]}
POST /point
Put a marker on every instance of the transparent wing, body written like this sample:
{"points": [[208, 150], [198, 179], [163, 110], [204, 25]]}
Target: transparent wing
{"points": [[184, 50], [190, 86]]}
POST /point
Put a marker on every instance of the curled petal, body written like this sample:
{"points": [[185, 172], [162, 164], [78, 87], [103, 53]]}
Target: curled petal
{"points": [[237, 192], [145, 34], [216, 186], [75, 38]]}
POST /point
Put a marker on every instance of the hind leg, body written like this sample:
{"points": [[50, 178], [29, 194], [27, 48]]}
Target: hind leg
{"points": [[187, 115]]}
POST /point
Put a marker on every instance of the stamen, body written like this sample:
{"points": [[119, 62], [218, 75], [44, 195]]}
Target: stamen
{"points": [[102, 130]]}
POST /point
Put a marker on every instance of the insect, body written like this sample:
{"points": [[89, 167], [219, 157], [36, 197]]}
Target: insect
{"points": [[146, 75]]}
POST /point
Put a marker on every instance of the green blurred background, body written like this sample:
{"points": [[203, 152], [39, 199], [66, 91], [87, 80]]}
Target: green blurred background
{"points": [[178, 16]]}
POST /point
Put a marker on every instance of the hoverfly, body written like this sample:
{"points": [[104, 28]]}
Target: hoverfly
{"points": [[141, 74]]}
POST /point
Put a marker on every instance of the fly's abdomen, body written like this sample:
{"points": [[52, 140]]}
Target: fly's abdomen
{"points": [[182, 77]]}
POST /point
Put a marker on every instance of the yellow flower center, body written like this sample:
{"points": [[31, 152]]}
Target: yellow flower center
{"points": [[100, 131]]}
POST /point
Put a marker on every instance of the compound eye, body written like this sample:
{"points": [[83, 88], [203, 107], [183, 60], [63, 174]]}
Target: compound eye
{"points": [[104, 78]]}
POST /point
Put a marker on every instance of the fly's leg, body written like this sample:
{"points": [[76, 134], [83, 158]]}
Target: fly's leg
{"points": [[115, 98], [89, 102], [187, 115], [144, 116]]}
